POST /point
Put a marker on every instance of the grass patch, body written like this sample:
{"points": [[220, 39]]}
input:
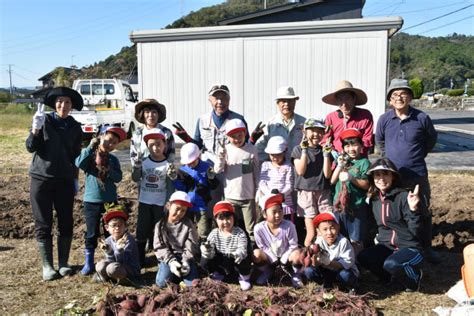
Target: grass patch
{"points": [[13, 122]]}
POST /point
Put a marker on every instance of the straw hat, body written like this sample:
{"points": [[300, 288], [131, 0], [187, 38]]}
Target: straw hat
{"points": [[344, 85]]}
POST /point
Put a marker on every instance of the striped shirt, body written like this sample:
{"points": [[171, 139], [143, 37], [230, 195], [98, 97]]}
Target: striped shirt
{"points": [[280, 178], [235, 243], [276, 246]]}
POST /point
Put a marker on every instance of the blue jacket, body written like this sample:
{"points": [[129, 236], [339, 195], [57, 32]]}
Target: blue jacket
{"points": [[93, 192], [196, 184]]}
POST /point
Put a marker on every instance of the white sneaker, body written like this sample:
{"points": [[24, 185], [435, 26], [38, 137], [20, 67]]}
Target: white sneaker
{"points": [[296, 281], [244, 281]]}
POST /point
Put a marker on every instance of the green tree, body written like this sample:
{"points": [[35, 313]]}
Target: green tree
{"points": [[416, 86]]}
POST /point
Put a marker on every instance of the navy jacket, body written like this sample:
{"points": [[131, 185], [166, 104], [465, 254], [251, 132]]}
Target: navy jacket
{"points": [[398, 226]]}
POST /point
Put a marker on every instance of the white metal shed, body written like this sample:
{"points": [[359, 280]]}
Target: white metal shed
{"points": [[177, 66]]}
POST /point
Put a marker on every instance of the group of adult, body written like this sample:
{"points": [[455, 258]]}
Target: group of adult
{"points": [[404, 134]]}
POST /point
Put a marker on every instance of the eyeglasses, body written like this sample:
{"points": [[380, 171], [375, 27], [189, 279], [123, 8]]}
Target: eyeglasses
{"points": [[401, 95]]}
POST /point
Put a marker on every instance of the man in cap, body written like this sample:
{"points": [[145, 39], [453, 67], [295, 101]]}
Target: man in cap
{"points": [[406, 135], [348, 115], [286, 123]]}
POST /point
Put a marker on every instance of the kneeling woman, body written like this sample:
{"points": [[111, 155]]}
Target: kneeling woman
{"points": [[398, 214]]}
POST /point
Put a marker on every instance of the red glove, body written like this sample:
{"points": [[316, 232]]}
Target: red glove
{"points": [[181, 133]]}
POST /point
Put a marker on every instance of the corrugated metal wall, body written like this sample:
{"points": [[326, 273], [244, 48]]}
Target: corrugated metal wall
{"points": [[179, 73]]}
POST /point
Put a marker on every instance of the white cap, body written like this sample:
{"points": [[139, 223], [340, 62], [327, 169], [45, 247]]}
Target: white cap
{"points": [[286, 92], [233, 126], [181, 198], [276, 145], [189, 153], [154, 133]]}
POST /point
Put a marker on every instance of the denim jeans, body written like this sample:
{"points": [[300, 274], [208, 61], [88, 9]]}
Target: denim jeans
{"points": [[93, 215], [164, 274], [328, 277]]}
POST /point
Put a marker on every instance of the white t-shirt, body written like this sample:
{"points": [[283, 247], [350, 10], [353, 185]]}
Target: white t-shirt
{"points": [[153, 183]]}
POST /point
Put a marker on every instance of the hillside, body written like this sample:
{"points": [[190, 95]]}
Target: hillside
{"points": [[433, 60]]}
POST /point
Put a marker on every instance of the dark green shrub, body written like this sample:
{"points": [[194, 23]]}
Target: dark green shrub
{"points": [[455, 92]]}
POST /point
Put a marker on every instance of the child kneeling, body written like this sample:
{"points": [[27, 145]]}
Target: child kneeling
{"points": [[121, 251], [335, 258], [176, 243], [225, 250], [277, 242]]}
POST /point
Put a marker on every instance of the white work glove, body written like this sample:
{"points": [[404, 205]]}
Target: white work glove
{"points": [[171, 172], [238, 257], [221, 151], [38, 118], [185, 268], [210, 173], [323, 258], [413, 198], [175, 267], [341, 161], [207, 250], [345, 176]]}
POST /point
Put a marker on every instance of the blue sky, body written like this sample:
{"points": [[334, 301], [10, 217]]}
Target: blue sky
{"points": [[38, 35]]}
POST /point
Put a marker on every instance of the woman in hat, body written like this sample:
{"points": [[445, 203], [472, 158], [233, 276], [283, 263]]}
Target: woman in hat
{"points": [[150, 113], [398, 216], [348, 115], [55, 141]]}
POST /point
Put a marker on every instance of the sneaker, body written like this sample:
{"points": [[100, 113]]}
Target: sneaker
{"points": [[97, 278], [264, 276], [416, 287], [432, 256], [296, 281], [244, 282], [216, 276]]}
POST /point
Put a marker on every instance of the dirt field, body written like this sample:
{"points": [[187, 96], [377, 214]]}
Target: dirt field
{"points": [[23, 291]]}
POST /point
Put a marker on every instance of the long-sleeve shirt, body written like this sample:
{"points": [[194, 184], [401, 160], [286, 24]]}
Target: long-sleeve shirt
{"points": [[406, 142], [94, 191], [291, 131], [341, 251], [138, 145], [235, 243], [127, 255], [360, 119], [180, 238], [241, 170], [55, 148], [276, 246], [280, 178]]}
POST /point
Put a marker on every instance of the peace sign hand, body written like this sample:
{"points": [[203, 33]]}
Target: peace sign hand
{"points": [[413, 198], [39, 117]]}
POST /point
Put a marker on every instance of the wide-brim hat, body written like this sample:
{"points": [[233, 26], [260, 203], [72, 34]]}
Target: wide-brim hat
{"points": [[382, 164], [223, 206], [344, 85], [113, 211], [181, 198], [286, 92], [397, 84], [118, 131], [189, 153], [154, 133], [276, 145], [324, 217], [76, 98], [151, 103]]}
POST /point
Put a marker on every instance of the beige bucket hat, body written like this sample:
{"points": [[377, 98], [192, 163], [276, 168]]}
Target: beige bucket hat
{"points": [[344, 85]]}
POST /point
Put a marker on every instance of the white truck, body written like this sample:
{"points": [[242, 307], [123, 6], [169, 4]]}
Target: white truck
{"points": [[106, 102]]}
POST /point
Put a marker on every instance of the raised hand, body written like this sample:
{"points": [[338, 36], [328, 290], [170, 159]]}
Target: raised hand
{"points": [[413, 198], [304, 143], [211, 174], [257, 133], [221, 151], [171, 172], [327, 148], [39, 117], [95, 141], [181, 132]]}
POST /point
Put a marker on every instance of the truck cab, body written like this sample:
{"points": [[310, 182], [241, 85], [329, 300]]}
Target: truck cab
{"points": [[106, 102]]}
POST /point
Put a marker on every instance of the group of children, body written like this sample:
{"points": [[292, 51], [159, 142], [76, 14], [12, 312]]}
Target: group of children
{"points": [[308, 216]]}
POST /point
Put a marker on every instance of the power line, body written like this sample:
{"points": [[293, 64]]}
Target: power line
{"points": [[433, 8], [439, 17], [447, 24]]}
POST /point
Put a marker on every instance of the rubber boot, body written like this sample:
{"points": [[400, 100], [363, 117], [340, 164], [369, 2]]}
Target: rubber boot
{"points": [[88, 267], [64, 247], [46, 252], [296, 277], [141, 253]]}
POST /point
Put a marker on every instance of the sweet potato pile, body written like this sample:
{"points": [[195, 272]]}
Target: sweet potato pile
{"points": [[216, 298]]}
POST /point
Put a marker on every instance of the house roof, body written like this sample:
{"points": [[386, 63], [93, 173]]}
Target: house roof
{"points": [[297, 5], [68, 70]]}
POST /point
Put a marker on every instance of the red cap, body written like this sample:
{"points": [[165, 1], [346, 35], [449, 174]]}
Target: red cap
{"points": [[154, 133], [350, 133], [324, 217], [181, 198], [114, 211], [223, 206], [272, 200], [118, 131]]}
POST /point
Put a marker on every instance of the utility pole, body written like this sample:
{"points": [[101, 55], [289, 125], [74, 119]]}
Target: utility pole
{"points": [[10, 75]]}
